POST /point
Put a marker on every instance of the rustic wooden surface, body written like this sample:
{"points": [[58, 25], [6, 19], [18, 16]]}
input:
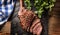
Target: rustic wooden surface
{"points": [[54, 21], [6, 29], [54, 26]]}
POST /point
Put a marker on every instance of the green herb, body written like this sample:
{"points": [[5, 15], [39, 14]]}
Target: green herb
{"points": [[40, 5]]}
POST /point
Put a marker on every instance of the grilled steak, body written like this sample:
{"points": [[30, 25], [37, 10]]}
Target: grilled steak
{"points": [[26, 19]]}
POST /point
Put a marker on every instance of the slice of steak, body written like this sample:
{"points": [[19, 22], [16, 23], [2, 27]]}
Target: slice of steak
{"points": [[26, 19]]}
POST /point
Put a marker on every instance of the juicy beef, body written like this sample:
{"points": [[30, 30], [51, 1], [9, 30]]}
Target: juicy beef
{"points": [[26, 19]]}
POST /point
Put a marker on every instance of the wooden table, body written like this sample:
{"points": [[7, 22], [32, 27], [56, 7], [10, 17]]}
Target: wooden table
{"points": [[54, 21], [6, 29]]}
